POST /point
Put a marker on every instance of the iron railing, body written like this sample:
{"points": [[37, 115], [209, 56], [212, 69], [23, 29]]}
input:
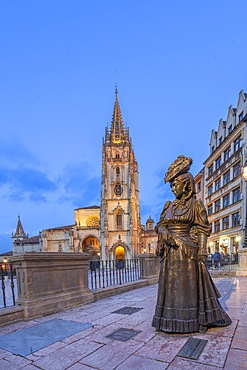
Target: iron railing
{"points": [[103, 274], [8, 288]]}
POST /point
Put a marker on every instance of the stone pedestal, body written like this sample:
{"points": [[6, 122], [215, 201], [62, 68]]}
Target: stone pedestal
{"points": [[151, 267], [242, 262], [51, 282]]}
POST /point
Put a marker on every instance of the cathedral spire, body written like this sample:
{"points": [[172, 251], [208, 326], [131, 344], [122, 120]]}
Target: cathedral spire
{"points": [[19, 228], [117, 126]]}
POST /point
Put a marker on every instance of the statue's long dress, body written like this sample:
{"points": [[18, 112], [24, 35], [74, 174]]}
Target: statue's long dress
{"points": [[187, 296]]}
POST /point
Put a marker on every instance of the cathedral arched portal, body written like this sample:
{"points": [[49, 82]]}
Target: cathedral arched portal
{"points": [[119, 253], [91, 245]]}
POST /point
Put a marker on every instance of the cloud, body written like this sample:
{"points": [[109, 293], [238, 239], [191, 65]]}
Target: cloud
{"points": [[81, 183], [21, 178], [24, 181], [13, 153]]}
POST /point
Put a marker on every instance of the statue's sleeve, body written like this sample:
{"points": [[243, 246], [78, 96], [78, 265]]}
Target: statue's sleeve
{"points": [[163, 213], [201, 227], [201, 224]]}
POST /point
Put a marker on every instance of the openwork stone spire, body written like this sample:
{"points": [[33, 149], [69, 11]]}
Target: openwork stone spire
{"points": [[117, 134], [117, 127]]}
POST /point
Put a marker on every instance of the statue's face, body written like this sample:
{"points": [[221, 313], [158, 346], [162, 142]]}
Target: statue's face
{"points": [[177, 187]]}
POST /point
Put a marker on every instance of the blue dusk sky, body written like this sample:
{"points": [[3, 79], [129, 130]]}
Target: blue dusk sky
{"points": [[178, 66]]}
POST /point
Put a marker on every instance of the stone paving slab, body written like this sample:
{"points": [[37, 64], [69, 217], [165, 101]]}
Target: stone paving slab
{"points": [[26, 341], [92, 348]]}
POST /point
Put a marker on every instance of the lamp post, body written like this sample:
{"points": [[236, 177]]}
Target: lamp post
{"points": [[245, 226]]}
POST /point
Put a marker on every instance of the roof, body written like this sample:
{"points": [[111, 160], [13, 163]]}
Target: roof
{"points": [[90, 207], [61, 227]]}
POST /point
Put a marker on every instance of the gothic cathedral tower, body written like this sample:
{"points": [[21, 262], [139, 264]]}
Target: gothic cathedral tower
{"points": [[120, 211]]}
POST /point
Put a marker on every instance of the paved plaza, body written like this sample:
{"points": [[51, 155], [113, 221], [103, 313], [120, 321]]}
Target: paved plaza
{"points": [[116, 333]]}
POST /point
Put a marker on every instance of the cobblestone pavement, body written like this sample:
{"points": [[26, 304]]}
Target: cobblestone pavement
{"points": [[104, 344]]}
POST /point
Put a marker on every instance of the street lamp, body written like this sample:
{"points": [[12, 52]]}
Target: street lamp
{"points": [[245, 226]]}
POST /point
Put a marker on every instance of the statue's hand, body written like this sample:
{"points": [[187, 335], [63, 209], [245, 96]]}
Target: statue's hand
{"points": [[170, 240], [159, 251]]}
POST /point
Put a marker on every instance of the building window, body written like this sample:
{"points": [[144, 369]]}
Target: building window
{"points": [[217, 184], [236, 170], [220, 140], [237, 144], [241, 116], [236, 195], [210, 169], [217, 205], [217, 226], [225, 223], [227, 153], [118, 171], [117, 155], [199, 186], [226, 177], [226, 200], [210, 209], [229, 129], [235, 219], [119, 220], [210, 189], [218, 162]]}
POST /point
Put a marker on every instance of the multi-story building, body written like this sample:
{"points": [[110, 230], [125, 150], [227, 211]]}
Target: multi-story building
{"points": [[225, 190]]}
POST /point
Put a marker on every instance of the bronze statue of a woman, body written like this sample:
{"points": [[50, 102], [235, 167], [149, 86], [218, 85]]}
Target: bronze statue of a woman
{"points": [[187, 297]]}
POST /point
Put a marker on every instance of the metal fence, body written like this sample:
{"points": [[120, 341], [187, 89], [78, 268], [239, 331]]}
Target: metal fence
{"points": [[103, 274], [8, 285]]}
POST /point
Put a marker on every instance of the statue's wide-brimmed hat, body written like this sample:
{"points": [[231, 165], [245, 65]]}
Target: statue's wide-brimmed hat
{"points": [[178, 167]]}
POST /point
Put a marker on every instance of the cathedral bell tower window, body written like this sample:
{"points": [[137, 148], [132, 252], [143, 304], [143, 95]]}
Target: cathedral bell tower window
{"points": [[119, 220]]}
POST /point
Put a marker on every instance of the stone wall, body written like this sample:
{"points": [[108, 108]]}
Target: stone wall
{"points": [[53, 282]]}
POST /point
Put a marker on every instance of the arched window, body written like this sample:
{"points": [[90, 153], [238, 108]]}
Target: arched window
{"points": [[119, 220], [118, 171], [117, 155]]}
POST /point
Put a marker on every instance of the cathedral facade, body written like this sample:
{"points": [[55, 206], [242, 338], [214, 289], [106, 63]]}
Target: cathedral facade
{"points": [[113, 230]]}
